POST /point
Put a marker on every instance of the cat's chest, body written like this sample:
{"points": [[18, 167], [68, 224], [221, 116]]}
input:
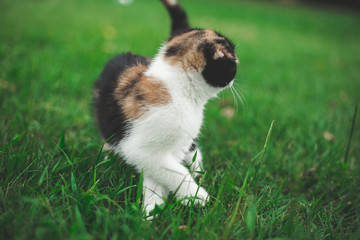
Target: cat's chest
{"points": [[188, 117], [180, 125], [174, 125], [166, 129]]}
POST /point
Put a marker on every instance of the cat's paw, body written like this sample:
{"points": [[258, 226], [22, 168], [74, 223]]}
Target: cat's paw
{"points": [[153, 210], [197, 195], [152, 203], [148, 212]]}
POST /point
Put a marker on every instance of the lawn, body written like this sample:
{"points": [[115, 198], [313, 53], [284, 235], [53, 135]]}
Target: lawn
{"points": [[283, 163]]}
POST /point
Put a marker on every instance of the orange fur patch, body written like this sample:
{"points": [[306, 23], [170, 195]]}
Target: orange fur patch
{"points": [[136, 92], [185, 49]]}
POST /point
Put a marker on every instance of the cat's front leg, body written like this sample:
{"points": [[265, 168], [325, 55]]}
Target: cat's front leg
{"points": [[193, 158], [174, 176], [153, 194]]}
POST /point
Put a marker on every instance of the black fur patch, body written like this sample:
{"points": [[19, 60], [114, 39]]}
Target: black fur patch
{"points": [[175, 50], [225, 44], [192, 147], [207, 48], [110, 117], [140, 97], [221, 41], [219, 72]]}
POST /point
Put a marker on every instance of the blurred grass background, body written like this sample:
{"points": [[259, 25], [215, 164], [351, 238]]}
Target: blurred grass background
{"points": [[299, 67]]}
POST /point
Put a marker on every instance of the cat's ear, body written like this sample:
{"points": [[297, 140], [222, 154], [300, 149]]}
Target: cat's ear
{"points": [[218, 54], [221, 53], [214, 52]]}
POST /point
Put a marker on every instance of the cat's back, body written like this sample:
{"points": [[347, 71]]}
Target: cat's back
{"points": [[117, 65], [111, 118]]}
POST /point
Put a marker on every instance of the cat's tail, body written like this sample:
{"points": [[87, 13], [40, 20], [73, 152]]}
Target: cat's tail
{"points": [[179, 20]]}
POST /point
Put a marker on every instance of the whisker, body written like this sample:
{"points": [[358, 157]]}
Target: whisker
{"points": [[232, 94], [235, 100], [239, 94], [238, 91]]}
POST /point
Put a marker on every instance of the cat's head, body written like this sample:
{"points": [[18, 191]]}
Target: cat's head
{"points": [[205, 52]]}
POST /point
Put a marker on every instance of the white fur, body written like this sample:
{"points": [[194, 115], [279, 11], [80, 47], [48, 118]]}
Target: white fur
{"points": [[159, 141], [172, 2]]}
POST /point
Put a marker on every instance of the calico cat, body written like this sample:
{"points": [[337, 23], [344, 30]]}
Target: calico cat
{"points": [[150, 110]]}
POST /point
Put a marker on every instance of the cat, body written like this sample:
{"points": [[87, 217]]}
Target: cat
{"points": [[150, 110]]}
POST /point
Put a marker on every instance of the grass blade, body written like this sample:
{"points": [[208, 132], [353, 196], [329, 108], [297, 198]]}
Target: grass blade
{"points": [[350, 135], [139, 189]]}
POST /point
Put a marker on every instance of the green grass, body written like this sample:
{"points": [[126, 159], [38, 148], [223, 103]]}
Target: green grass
{"points": [[299, 67]]}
